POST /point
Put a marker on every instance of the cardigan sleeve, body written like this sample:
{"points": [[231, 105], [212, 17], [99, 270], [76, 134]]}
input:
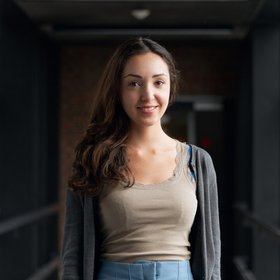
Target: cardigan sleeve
{"points": [[213, 197], [72, 249], [205, 233]]}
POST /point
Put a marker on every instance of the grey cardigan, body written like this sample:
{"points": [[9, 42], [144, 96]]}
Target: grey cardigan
{"points": [[81, 236]]}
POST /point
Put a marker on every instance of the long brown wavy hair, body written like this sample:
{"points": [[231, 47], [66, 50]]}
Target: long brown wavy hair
{"points": [[101, 155]]}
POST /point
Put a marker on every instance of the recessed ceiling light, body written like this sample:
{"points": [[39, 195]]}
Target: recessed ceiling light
{"points": [[141, 14]]}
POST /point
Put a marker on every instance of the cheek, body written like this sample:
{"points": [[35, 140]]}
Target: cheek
{"points": [[164, 96], [126, 100], [123, 96]]}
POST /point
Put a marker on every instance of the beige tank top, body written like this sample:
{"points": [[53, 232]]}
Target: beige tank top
{"points": [[150, 222]]}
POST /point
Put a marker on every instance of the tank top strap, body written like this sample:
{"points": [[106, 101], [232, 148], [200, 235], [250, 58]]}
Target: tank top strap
{"points": [[186, 156]]}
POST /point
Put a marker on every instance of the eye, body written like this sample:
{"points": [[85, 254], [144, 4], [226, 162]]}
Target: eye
{"points": [[159, 82], [134, 84]]}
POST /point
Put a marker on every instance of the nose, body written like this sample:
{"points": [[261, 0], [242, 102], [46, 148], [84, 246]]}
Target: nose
{"points": [[147, 92]]}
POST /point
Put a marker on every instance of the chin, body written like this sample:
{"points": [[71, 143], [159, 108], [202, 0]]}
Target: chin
{"points": [[149, 123]]}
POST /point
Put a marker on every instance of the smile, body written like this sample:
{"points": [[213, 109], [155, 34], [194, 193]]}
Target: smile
{"points": [[147, 108]]}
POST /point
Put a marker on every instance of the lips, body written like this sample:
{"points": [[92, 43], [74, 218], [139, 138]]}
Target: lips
{"points": [[147, 109]]}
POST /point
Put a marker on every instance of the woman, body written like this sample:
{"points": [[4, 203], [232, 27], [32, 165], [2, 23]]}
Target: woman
{"points": [[141, 205]]}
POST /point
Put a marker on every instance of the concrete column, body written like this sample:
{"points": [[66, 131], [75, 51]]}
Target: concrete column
{"points": [[265, 147]]}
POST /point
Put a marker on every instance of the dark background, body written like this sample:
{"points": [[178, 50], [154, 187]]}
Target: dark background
{"points": [[229, 104]]}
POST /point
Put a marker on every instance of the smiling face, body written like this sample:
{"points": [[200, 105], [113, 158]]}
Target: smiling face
{"points": [[145, 89]]}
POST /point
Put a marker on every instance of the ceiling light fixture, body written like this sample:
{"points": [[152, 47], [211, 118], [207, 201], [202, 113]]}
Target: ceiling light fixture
{"points": [[140, 14]]}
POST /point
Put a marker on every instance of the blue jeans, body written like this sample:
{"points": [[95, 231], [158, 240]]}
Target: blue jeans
{"points": [[145, 270]]}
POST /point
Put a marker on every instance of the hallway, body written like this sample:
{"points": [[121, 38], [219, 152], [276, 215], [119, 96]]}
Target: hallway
{"points": [[51, 58]]}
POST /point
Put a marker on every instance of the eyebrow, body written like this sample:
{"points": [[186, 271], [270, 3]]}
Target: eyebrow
{"points": [[138, 76]]}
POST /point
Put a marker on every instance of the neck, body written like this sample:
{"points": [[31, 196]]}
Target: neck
{"points": [[149, 137]]}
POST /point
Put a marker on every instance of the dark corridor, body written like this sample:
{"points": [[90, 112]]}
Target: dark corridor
{"points": [[229, 104]]}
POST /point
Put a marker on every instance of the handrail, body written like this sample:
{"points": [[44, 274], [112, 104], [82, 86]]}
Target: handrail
{"points": [[46, 270], [254, 220], [28, 218], [242, 269]]}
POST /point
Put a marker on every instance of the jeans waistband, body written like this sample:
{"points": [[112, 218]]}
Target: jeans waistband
{"points": [[145, 269]]}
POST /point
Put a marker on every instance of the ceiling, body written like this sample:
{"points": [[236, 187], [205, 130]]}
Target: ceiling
{"points": [[91, 19]]}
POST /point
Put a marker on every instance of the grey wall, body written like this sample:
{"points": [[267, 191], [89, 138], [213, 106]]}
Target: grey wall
{"points": [[258, 180], [28, 122], [266, 146]]}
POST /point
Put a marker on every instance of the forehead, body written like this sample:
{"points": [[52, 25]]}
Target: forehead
{"points": [[147, 63]]}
